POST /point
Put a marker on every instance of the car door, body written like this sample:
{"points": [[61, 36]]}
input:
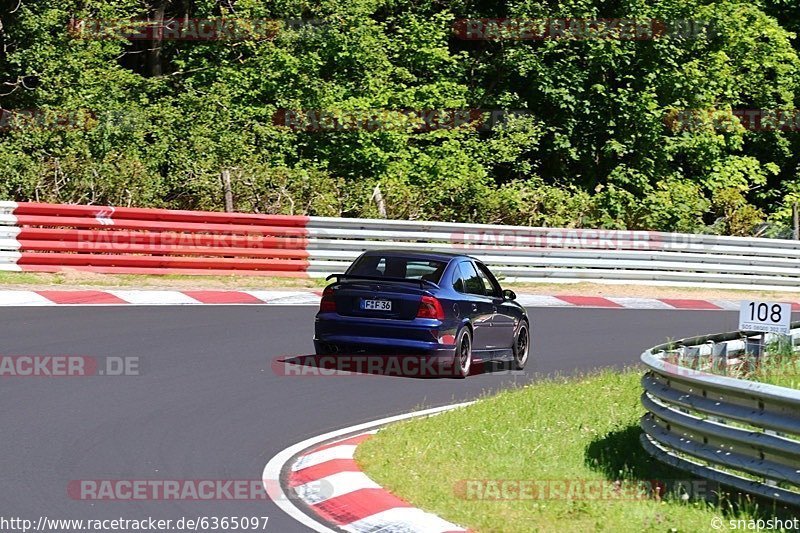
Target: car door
{"points": [[504, 316], [476, 305]]}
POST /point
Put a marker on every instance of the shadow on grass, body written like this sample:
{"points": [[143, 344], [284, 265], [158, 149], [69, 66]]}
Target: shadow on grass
{"points": [[619, 456]]}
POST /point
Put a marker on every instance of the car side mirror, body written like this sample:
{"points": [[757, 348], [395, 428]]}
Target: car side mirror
{"points": [[508, 294]]}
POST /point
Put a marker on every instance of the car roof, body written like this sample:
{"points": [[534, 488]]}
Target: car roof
{"points": [[418, 254]]}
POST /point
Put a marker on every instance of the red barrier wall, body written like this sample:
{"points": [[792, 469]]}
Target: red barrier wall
{"points": [[125, 240]]}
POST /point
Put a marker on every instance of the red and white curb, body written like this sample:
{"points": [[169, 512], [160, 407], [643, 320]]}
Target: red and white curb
{"points": [[160, 297], [321, 475], [307, 297]]}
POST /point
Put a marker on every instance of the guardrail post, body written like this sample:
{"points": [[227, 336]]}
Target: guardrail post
{"points": [[719, 355]]}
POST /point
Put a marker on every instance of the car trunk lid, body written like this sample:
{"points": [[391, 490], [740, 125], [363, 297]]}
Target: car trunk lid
{"points": [[378, 299]]}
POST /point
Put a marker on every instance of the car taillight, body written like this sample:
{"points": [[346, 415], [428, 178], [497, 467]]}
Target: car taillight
{"points": [[430, 307], [328, 303]]}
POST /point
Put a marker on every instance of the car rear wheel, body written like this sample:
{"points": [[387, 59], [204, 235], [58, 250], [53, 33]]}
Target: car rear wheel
{"points": [[462, 362], [522, 346]]}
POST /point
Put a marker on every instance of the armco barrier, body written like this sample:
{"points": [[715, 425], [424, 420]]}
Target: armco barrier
{"points": [[52, 237], [739, 433]]}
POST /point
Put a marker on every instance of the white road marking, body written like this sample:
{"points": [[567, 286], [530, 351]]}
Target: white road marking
{"points": [[337, 484], [345, 451], [640, 303], [154, 297], [286, 297], [408, 519], [23, 298], [535, 300]]}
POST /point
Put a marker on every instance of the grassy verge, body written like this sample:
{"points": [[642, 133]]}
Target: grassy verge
{"points": [[574, 430], [787, 375], [780, 365]]}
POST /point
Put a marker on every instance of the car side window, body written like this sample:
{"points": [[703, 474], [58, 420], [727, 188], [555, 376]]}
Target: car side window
{"points": [[492, 287], [472, 281], [458, 282]]}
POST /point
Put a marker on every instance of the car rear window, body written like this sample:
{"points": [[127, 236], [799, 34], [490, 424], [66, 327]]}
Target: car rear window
{"points": [[398, 267]]}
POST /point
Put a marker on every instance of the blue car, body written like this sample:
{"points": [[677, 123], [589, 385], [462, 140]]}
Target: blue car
{"points": [[444, 306]]}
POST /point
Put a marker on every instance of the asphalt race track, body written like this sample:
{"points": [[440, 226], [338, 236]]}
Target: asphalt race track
{"points": [[208, 404]]}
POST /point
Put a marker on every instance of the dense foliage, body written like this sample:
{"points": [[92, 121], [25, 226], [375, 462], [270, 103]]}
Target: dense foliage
{"points": [[151, 122]]}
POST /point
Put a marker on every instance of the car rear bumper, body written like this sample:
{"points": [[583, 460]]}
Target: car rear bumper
{"points": [[344, 345], [343, 334]]}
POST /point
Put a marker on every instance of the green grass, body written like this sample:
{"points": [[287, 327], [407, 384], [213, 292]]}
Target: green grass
{"points": [[584, 428], [781, 366], [19, 278], [789, 376]]}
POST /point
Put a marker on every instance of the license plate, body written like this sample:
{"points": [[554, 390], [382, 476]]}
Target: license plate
{"points": [[376, 305]]}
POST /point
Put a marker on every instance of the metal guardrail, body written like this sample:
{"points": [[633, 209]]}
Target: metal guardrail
{"points": [[743, 434], [50, 237], [519, 253]]}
